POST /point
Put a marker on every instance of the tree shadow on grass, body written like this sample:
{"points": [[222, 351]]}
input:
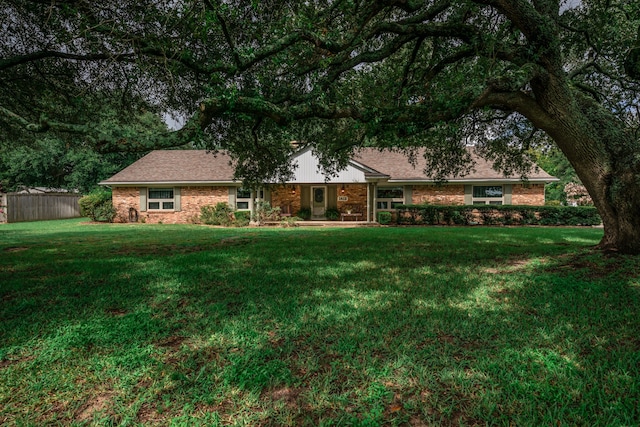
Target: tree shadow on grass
{"points": [[409, 326]]}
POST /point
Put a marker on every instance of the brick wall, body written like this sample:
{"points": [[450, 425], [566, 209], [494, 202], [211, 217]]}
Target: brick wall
{"points": [[281, 196], [124, 198], [191, 200], [356, 195], [532, 194], [438, 195]]}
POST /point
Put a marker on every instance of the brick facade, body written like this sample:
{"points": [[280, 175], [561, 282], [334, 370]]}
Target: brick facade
{"points": [[532, 194], [453, 194], [356, 196], [191, 200], [438, 194], [123, 199], [282, 196]]}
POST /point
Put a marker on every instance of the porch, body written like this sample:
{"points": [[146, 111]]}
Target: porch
{"points": [[316, 203]]}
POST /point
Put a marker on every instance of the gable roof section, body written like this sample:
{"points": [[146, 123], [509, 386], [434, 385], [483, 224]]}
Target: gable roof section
{"points": [[307, 170], [176, 166], [399, 168]]}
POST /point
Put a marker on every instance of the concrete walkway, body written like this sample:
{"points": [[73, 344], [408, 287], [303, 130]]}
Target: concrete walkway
{"points": [[338, 223], [330, 223]]}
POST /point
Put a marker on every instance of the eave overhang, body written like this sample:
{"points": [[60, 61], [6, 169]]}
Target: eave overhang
{"points": [[175, 183], [473, 180]]}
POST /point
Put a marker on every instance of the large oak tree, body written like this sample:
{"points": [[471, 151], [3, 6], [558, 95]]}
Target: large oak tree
{"points": [[248, 76]]}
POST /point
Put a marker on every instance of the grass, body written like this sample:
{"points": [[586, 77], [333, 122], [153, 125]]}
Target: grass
{"points": [[192, 325]]}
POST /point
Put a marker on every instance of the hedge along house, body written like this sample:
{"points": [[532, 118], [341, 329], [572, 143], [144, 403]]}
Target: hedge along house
{"points": [[171, 186]]}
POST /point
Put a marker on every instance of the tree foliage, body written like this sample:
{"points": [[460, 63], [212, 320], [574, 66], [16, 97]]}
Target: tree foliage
{"points": [[67, 161], [556, 164], [251, 76], [50, 162], [577, 194]]}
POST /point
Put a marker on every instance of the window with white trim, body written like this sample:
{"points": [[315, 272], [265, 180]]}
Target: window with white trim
{"points": [[389, 197], [488, 194], [160, 199], [243, 198]]}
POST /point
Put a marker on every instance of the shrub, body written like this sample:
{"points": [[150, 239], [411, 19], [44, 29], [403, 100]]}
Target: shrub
{"points": [[264, 212], [457, 217], [304, 214], [492, 214], [242, 218], [332, 214], [289, 221], [220, 214], [384, 218], [98, 206]]}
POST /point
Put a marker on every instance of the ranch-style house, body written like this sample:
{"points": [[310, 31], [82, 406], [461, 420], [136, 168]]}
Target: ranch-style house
{"points": [[170, 186]]}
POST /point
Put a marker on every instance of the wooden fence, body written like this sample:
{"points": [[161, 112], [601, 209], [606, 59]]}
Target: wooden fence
{"points": [[21, 207], [3, 207]]}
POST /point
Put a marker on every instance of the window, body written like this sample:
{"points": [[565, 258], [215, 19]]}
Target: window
{"points": [[243, 198], [161, 199], [487, 194], [389, 197]]}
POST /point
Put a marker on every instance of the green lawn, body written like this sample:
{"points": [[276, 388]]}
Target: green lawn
{"points": [[192, 325]]}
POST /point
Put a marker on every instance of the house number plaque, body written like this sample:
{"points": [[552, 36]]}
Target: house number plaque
{"points": [[343, 198]]}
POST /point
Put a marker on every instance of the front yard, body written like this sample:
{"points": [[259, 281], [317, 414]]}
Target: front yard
{"points": [[191, 325]]}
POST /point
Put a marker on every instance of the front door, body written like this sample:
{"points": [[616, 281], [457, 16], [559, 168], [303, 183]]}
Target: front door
{"points": [[318, 202]]}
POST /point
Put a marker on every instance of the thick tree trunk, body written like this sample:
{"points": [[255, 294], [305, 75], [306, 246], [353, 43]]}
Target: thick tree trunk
{"points": [[600, 158], [621, 234], [594, 142], [611, 186], [620, 213], [617, 199]]}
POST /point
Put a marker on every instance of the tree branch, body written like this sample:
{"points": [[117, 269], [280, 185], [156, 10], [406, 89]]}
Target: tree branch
{"points": [[585, 88], [43, 126], [520, 102], [460, 31], [407, 67], [227, 36], [43, 54], [538, 28]]}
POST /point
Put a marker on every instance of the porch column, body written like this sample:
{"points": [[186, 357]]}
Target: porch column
{"points": [[255, 198], [375, 201], [368, 202]]}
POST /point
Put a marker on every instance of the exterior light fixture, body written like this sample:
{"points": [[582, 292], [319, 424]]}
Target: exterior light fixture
{"points": [[293, 190], [342, 190]]}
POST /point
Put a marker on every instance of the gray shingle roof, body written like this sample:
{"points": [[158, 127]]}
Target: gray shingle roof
{"points": [[200, 166], [399, 168], [176, 166]]}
